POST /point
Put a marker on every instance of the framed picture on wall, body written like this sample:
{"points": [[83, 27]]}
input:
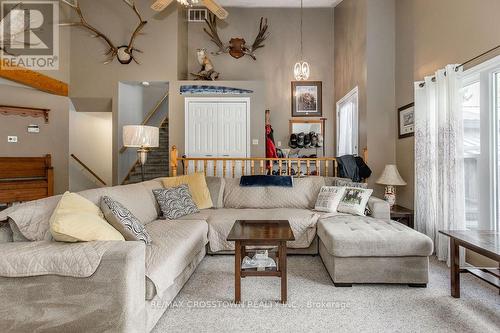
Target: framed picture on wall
{"points": [[406, 121], [306, 99]]}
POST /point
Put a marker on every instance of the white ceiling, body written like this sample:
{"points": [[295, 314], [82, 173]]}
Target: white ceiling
{"points": [[278, 3]]}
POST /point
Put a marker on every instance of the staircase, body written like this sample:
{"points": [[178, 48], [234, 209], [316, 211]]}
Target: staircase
{"points": [[157, 164]]}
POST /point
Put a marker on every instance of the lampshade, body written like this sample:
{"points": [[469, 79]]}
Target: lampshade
{"points": [[391, 176], [140, 136]]}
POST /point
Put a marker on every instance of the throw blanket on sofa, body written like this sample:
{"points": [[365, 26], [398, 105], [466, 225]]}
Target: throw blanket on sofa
{"points": [[263, 180], [51, 258]]}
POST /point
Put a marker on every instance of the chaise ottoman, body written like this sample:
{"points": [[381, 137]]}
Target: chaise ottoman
{"points": [[358, 249]]}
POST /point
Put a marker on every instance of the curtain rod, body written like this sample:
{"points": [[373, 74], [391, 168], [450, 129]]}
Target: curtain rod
{"points": [[477, 57], [421, 85]]}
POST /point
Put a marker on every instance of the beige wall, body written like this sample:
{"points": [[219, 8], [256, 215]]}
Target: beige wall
{"points": [[380, 89], [350, 56], [364, 57], [92, 129], [53, 137], [431, 34], [274, 64]]}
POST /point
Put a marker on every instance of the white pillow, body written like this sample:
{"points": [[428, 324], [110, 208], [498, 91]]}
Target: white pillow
{"points": [[354, 201], [329, 198]]}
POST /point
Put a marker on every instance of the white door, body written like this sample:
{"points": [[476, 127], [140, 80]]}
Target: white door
{"points": [[232, 130], [217, 127], [201, 129]]}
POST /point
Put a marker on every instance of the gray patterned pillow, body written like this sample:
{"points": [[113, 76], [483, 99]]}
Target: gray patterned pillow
{"points": [[175, 202], [124, 221]]}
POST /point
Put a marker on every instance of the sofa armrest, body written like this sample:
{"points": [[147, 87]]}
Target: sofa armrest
{"points": [[380, 209], [111, 299]]}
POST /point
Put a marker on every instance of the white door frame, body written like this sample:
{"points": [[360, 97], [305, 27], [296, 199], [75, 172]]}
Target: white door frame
{"points": [[187, 100]]}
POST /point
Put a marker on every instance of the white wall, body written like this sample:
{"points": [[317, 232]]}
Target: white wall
{"points": [[90, 139], [130, 112]]}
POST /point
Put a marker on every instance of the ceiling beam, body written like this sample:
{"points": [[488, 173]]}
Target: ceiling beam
{"points": [[33, 79]]}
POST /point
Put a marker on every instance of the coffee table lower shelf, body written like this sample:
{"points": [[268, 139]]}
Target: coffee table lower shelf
{"points": [[279, 271]]}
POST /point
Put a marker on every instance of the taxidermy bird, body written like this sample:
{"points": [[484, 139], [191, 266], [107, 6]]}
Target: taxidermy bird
{"points": [[207, 71]]}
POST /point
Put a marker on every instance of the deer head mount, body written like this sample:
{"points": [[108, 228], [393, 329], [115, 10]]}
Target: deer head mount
{"points": [[237, 47], [124, 53]]}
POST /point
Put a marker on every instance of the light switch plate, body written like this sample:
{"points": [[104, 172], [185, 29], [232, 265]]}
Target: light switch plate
{"points": [[33, 129], [279, 143], [12, 139], [255, 142]]}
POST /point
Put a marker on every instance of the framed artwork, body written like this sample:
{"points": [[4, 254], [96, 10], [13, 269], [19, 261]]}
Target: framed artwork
{"points": [[406, 121], [306, 99]]}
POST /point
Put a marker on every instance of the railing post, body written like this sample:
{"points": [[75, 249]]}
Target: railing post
{"points": [[173, 161]]}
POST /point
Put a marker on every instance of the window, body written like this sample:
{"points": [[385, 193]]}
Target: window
{"points": [[347, 124], [481, 114], [472, 151]]}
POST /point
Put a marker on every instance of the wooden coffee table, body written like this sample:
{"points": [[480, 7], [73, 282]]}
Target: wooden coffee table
{"points": [[486, 243], [260, 233]]}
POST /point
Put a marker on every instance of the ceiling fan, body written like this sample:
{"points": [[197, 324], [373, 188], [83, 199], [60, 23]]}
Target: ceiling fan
{"points": [[211, 5]]}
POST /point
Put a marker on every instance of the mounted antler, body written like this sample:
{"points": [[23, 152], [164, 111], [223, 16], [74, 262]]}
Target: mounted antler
{"points": [[214, 36], [123, 53], [259, 40], [130, 48], [237, 46]]}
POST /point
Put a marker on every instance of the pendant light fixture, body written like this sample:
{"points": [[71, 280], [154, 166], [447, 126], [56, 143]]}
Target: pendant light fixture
{"points": [[301, 69]]}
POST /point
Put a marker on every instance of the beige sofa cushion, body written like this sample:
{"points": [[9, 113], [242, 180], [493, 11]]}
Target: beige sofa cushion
{"points": [[357, 236], [174, 245], [138, 198], [216, 188], [220, 221], [302, 195]]}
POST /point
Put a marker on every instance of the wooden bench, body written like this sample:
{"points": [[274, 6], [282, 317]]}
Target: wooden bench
{"points": [[25, 178]]}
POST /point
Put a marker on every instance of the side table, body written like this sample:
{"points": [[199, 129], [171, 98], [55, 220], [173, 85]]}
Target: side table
{"points": [[403, 215]]}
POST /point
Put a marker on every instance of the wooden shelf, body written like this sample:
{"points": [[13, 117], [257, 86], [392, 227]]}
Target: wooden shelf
{"points": [[487, 275], [25, 112]]}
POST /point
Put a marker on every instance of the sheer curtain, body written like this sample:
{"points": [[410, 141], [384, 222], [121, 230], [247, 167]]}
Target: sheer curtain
{"points": [[345, 145], [439, 174]]}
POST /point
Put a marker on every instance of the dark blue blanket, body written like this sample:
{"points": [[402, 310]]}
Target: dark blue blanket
{"points": [[263, 180]]}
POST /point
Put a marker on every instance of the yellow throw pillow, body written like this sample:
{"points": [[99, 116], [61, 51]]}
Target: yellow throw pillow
{"points": [[76, 219], [197, 187]]}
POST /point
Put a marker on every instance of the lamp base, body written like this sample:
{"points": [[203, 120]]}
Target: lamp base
{"points": [[142, 154], [390, 195]]}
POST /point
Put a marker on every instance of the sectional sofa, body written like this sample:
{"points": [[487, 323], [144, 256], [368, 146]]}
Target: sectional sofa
{"points": [[126, 286]]}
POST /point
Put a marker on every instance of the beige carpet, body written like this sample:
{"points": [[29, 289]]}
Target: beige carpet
{"points": [[315, 305]]}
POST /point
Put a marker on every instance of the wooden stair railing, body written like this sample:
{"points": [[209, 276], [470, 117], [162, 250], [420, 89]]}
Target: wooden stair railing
{"points": [[150, 115], [99, 179], [320, 166]]}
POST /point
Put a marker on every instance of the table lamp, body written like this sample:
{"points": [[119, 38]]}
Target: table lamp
{"points": [[390, 178], [142, 137]]}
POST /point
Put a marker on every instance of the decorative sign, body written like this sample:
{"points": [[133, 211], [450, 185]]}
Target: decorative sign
{"points": [[212, 90]]}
